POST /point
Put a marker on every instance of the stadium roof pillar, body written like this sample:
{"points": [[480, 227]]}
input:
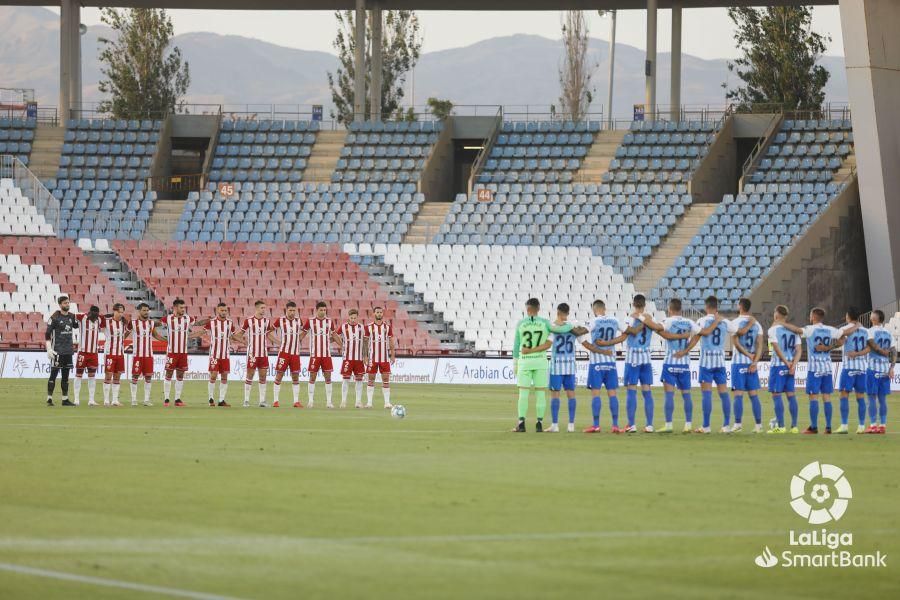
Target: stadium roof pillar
{"points": [[650, 63], [75, 48], [65, 58], [377, 24], [675, 79], [359, 66], [872, 54]]}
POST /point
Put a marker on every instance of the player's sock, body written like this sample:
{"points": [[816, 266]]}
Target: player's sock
{"points": [[223, 390], [115, 392], [179, 386], [262, 392], [648, 406], [793, 409], [295, 390], [370, 393], [706, 396], [873, 409], [630, 405], [814, 414], [572, 404], [523, 402], [276, 391], [614, 410], [92, 384], [211, 389], [148, 386], [861, 410], [554, 410], [359, 389], [882, 409], [779, 409], [345, 386], [595, 409], [167, 387], [726, 407], [77, 389], [688, 407], [540, 403], [669, 405], [311, 392], [738, 408], [756, 407], [328, 392], [106, 391], [386, 392], [845, 410], [248, 385], [134, 392], [828, 412]]}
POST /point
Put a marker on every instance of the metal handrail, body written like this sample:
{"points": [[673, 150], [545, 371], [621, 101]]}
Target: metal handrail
{"points": [[34, 190], [486, 148], [761, 144]]}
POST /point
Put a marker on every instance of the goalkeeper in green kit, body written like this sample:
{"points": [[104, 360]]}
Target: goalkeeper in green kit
{"points": [[530, 363]]}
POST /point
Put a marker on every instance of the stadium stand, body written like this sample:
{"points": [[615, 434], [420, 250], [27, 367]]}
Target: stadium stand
{"points": [[301, 212], [392, 152], [622, 223], [748, 234], [17, 215], [101, 182], [35, 271], [481, 288], [538, 152], [16, 137], [263, 151], [207, 273], [660, 152]]}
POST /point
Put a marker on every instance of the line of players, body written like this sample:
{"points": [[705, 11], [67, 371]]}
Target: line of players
{"points": [[365, 349], [869, 356]]}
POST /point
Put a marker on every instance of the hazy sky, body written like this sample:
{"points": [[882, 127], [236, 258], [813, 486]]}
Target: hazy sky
{"points": [[708, 33]]}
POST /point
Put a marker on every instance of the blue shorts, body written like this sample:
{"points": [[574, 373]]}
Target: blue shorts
{"points": [[600, 375], [819, 384], [877, 384], [635, 374], [780, 380], [562, 382], [715, 375], [853, 381], [678, 376], [743, 380]]}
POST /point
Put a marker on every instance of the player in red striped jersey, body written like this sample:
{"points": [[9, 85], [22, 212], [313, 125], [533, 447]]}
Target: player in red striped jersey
{"points": [[257, 331], [179, 326], [117, 329], [321, 333], [90, 325], [289, 327], [379, 355], [221, 333], [351, 336], [143, 332]]}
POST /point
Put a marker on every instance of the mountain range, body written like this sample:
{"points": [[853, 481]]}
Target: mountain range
{"points": [[516, 71]]}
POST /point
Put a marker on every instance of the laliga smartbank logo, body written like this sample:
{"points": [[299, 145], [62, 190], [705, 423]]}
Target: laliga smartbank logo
{"points": [[820, 493]]}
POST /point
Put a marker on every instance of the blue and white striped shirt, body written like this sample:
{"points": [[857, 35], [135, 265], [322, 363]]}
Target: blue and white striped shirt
{"points": [[855, 342], [604, 328], [879, 364], [562, 358], [637, 346], [788, 342], [819, 362], [750, 340], [678, 325], [712, 346]]}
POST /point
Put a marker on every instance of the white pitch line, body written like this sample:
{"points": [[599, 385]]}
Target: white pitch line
{"points": [[113, 583]]}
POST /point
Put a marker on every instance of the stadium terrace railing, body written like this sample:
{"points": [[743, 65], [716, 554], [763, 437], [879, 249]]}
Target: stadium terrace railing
{"points": [[890, 309], [761, 144], [829, 110], [39, 196], [485, 149]]}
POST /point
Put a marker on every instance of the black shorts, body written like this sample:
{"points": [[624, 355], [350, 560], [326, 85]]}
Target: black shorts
{"points": [[63, 361]]}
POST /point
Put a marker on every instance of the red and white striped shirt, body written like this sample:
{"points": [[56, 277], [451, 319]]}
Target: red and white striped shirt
{"points": [[179, 330], [90, 334], [220, 332], [290, 330], [143, 337], [255, 330], [378, 341], [115, 336], [353, 340], [319, 331]]}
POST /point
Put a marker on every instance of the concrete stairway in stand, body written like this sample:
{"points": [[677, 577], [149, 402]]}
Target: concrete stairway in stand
{"points": [[430, 218], [45, 151], [602, 151], [324, 156]]}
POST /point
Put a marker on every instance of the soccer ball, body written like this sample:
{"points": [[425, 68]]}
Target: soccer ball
{"points": [[398, 411]]}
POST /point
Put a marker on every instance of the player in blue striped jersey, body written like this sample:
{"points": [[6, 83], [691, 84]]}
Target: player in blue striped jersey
{"points": [[855, 347], [676, 372], [785, 347], [820, 339], [748, 349], [638, 368], [882, 358], [714, 332], [562, 367], [604, 329]]}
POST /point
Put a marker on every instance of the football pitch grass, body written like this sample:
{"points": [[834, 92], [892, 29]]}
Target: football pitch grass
{"points": [[284, 503]]}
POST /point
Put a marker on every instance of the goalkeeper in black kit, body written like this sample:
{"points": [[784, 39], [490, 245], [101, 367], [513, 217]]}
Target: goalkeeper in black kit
{"points": [[60, 334]]}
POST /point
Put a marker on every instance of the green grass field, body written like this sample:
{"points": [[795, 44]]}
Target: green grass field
{"points": [[250, 503]]}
